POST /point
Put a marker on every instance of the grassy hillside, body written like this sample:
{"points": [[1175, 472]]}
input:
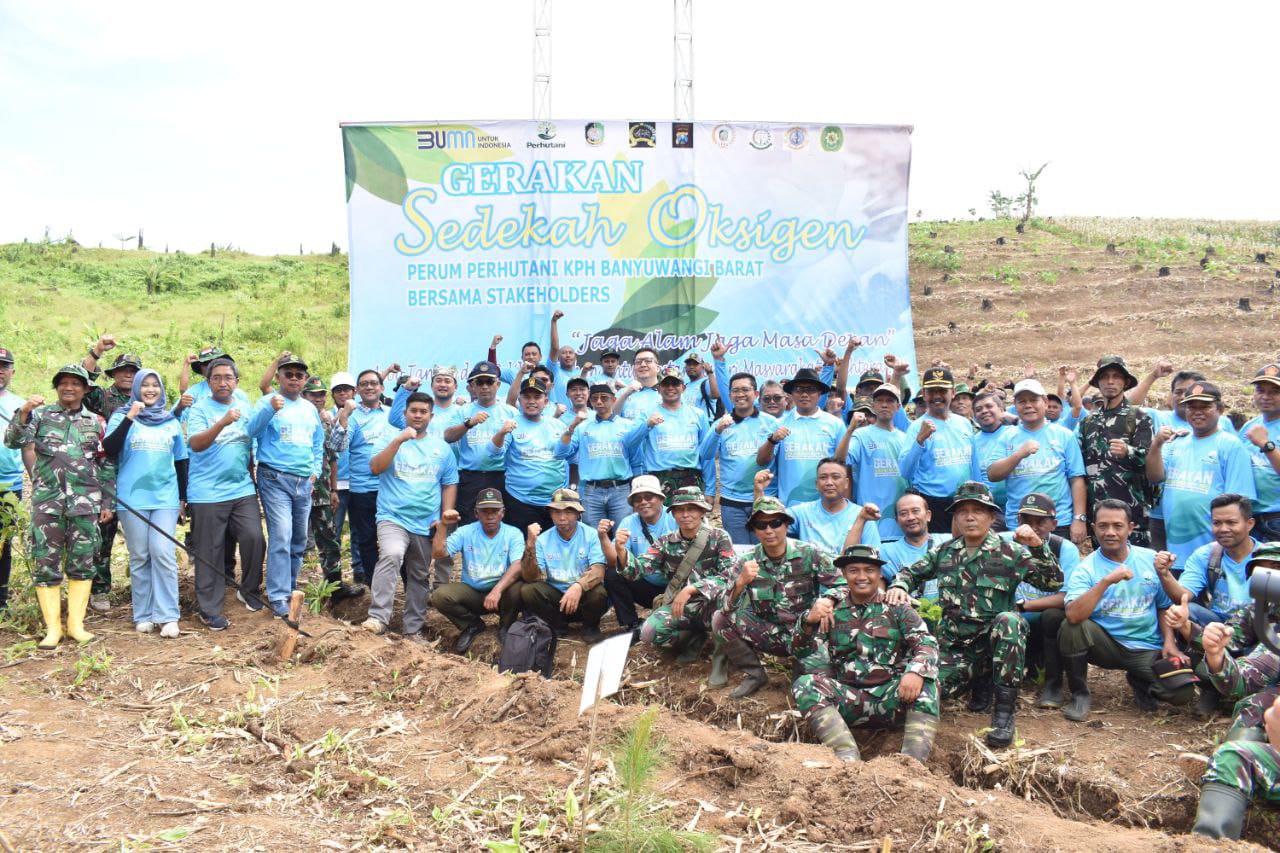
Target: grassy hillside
{"points": [[1054, 294]]}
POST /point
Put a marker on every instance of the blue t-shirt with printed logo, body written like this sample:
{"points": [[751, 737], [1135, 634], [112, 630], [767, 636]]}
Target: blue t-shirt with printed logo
{"points": [[1169, 418], [563, 562], [221, 471], [639, 543], [10, 459], [145, 476], [939, 466], [599, 448], [290, 440], [901, 553], [1049, 470], [1068, 559], [366, 429], [534, 459], [988, 447], [1197, 470], [1231, 592], [736, 448], [674, 442], [409, 490], [473, 447], [815, 525], [1266, 482], [873, 456], [485, 559], [1127, 610], [812, 439]]}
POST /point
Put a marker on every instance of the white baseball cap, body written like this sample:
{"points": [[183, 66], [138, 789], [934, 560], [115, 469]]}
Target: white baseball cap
{"points": [[1031, 385], [342, 377]]}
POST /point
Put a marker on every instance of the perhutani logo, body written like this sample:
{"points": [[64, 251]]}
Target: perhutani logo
{"points": [[722, 135], [440, 139], [796, 137], [594, 133], [546, 132], [761, 138], [832, 138]]}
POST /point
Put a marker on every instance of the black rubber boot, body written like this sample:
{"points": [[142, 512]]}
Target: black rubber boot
{"points": [[745, 658], [1221, 813], [917, 736], [1207, 702], [1078, 680], [1142, 694], [1051, 694], [979, 694], [1001, 734], [719, 666], [691, 649], [833, 732]]}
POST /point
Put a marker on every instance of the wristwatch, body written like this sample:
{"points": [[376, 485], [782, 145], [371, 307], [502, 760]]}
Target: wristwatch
{"points": [[1080, 518], [1268, 447]]}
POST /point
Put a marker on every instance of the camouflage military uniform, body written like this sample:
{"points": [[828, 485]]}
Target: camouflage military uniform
{"points": [[857, 665], [1122, 479], [104, 401], [766, 612], [980, 629], [1254, 681], [711, 575], [1251, 767], [328, 545], [71, 481]]}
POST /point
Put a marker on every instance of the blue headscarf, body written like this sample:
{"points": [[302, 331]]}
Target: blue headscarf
{"points": [[154, 414]]}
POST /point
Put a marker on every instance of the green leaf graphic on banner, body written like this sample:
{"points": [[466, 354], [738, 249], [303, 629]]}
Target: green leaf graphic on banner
{"points": [[671, 303], [422, 166], [667, 290], [375, 167], [676, 319]]}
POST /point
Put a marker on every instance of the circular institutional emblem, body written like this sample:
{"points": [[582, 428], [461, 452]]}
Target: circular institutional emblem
{"points": [[761, 138], [832, 138], [546, 130], [796, 138], [594, 133], [722, 135]]}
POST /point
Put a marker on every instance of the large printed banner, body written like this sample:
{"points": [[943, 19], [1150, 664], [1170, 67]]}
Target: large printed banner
{"points": [[780, 239]]}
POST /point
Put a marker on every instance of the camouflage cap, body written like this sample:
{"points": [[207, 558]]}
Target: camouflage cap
{"points": [[871, 376], [489, 498], [208, 354], [71, 370], [124, 359], [1038, 504], [859, 554], [314, 384], [690, 496], [863, 404], [1265, 551], [671, 374], [962, 388], [565, 499], [972, 490], [1130, 381], [1269, 373], [769, 506], [694, 358], [1203, 392]]}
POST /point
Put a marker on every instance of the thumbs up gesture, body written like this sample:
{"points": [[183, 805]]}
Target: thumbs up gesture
{"points": [[1178, 617]]}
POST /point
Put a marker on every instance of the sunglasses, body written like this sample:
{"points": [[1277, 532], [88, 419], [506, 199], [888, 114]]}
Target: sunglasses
{"points": [[773, 398], [293, 374], [771, 524], [484, 380]]}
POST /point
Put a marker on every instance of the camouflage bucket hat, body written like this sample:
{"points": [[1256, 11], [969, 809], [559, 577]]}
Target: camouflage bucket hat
{"points": [[972, 490], [124, 359], [962, 389], [1130, 381], [859, 554], [1265, 551], [314, 384], [208, 354], [690, 496], [863, 404], [769, 506], [565, 499], [71, 370]]}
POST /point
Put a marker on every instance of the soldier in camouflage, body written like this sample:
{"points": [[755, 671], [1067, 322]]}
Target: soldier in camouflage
{"points": [[1247, 765], [777, 584], [324, 501], [1114, 441], [103, 401], [870, 662], [981, 636], [697, 561], [71, 483]]}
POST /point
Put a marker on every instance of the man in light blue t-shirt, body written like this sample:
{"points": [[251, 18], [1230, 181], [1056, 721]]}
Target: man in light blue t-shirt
{"points": [[563, 569], [1115, 604], [872, 455], [804, 436], [490, 580], [1214, 578], [10, 470], [938, 449], [1261, 438]]}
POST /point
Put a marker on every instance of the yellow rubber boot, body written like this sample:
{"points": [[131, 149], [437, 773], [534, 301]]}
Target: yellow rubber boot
{"points": [[77, 600], [50, 598]]}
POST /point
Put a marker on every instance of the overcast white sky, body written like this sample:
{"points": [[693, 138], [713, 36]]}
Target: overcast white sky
{"points": [[219, 122]]}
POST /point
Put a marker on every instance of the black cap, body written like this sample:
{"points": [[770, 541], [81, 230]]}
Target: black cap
{"points": [[489, 498], [1173, 675], [937, 377], [1038, 503], [484, 368], [6, 356], [613, 353], [1202, 392], [601, 388], [533, 383], [292, 360], [578, 380], [806, 375]]}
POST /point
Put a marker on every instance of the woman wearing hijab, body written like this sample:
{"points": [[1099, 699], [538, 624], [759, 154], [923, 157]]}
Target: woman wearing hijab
{"points": [[151, 478]]}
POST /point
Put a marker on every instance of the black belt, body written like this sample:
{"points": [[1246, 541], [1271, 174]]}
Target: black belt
{"points": [[735, 504], [676, 471], [606, 484]]}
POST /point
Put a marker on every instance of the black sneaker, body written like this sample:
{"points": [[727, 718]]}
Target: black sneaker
{"points": [[345, 591], [251, 602], [467, 637], [215, 623], [591, 634]]}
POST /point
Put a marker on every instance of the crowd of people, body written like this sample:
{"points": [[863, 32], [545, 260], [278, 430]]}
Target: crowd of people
{"points": [[898, 545]]}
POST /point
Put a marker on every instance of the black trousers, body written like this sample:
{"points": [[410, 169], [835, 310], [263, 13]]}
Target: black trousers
{"points": [[362, 512], [469, 485], [940, 514], [213, 525], [624, 594], [520, 515], [7, 521]]}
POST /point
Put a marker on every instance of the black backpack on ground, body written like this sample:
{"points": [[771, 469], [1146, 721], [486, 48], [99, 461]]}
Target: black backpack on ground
{"points": [[529, 646]]}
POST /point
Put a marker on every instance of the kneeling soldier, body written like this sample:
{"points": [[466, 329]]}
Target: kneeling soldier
{"points": [[490, 581], [697, 562], [783, 581], [981, 635], [870, 662]]}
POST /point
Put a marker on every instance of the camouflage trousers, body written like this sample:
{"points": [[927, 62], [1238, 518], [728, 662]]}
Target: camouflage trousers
{"points": [[1249, 710], [1248, 766], [328, 545], [677, 478], [762, 635], [57, 539], [878, 703], [102, 557], [997, 648], [662, 628]]}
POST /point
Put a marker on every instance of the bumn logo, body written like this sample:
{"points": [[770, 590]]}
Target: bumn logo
{"points": [[441, 139]]}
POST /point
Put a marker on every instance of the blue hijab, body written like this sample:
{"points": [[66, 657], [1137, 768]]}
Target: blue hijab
{"points": [[154, 414]]}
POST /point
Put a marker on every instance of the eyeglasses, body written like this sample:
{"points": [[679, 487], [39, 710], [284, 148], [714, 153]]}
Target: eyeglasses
{"points": [[773, 398], [368, 383], [744, 389], [770, 524], [484, 380], [645, 361], [294, 374]]}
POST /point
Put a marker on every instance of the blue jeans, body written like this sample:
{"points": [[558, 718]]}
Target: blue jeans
{"points": [[608, 503], [344, 495], [153, 565], [734, 519], [286, 501], [1202, 615]]}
